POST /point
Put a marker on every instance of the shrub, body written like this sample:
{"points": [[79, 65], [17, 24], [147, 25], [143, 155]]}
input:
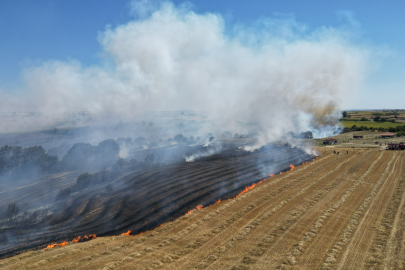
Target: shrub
{"points": [[12, 212], [109, 188], [179, 138], [84, 180], [63, 193], [150, 158], [226, 135]]}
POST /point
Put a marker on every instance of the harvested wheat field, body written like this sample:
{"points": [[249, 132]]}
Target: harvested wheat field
{"points": [[342, 211]]}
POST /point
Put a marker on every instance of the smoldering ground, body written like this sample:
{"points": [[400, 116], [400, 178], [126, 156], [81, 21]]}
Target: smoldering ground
{"points": [[140, 198]]}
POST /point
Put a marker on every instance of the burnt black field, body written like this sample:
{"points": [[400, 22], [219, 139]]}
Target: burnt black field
{"points": [[141, 199]]}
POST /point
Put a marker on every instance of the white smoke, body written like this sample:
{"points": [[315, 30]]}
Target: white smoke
{"points": [[211, 149], [275, 73]]}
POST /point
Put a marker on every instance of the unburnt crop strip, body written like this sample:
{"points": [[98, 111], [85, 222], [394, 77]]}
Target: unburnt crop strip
{"points": [[298, 248], [344, 238]]}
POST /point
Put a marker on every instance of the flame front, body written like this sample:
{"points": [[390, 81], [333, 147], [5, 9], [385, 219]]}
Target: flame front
{"points": [[75, 240], [198, 208], [56, 245], [249, 188], [93, 236]]}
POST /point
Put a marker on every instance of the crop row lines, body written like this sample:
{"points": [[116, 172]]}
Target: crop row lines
{"points": [[268, 240], [354, 220], [213, 256], [221, 227], [298, 248], [382, 233]]}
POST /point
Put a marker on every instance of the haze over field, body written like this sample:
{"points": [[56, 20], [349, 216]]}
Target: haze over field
{"points": [[274, 72], [194, 134]]}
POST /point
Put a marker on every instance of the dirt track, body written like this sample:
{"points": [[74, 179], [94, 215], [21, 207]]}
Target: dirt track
{"points": [[338, 212]]}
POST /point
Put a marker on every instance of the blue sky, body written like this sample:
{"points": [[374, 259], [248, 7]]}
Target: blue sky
{"points": [[33, 32]]}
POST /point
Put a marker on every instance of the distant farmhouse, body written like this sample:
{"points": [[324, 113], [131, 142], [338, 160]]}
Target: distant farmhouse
{"points": [[330, 141], [388, 135]]}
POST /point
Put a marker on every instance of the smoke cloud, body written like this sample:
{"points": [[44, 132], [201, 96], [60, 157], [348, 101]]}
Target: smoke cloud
{"points": [[274, 73]]}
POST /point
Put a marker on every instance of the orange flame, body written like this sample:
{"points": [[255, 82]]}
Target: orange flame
{"points": [[76, 240], [292, 167], [249, 188], [281, 172], [126, 233], [271, 175], [56, 245], [90, 237], [197, 208], [219, 200]]}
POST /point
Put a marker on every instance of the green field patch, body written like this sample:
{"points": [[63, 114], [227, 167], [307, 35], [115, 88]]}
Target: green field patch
{"points": [[370, 124]]}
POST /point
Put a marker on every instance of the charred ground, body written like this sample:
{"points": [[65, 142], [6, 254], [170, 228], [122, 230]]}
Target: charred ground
{"points": [[142, 199]]}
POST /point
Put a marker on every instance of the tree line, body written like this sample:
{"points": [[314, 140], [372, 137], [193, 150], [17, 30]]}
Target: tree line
{"points": [[15, 159], [400, 130]]}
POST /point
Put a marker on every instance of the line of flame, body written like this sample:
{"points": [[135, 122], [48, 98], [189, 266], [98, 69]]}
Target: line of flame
{"points": [[93, 236]]}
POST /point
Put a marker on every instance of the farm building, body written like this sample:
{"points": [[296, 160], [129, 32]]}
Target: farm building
{"points": [[388, 135], [357, 136], [330, 141]]}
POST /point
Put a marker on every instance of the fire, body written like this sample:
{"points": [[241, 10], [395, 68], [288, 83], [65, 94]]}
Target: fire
{"points": [[249, 188], [75, 240], [93, 236], [56, 245], [90, 237], [197, 208]]}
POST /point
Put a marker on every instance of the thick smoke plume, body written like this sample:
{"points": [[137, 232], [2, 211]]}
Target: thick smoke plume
{"points": [[274, 73]]}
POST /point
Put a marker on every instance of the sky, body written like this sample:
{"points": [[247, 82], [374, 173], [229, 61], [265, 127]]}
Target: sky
{"points": [[34, 32]]}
